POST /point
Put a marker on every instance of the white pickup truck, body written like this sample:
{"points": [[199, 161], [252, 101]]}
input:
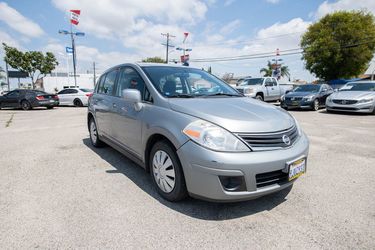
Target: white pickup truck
{"points": [[263, 88]]}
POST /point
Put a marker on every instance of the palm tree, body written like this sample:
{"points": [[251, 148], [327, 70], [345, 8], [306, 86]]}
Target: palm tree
{"points": [[268, 70]]}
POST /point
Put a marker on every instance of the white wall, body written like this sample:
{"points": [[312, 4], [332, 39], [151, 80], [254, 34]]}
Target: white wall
{"points": [[61, 80]]}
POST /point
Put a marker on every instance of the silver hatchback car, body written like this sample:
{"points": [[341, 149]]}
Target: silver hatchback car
{"points": [[195, 134]]}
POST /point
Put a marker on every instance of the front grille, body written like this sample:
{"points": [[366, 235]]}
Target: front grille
{"points": [[240, 90], [268, 141], [293, 98], [338, 101], [270, 178]]}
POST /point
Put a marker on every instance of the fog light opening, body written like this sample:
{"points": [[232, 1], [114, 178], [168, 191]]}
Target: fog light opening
{"points": [[233, 183]]}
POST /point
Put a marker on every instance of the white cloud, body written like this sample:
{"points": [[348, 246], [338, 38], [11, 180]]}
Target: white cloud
{"points": [[9, 40], [273, 1], [228, 2], [329, 7], [230, 27], [18, 22]]}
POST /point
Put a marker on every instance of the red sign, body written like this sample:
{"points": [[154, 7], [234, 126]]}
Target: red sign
{"points": [[74, 16]]}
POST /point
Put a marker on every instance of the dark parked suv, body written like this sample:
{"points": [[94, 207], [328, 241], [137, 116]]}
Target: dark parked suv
{"points": [[28, 99]]}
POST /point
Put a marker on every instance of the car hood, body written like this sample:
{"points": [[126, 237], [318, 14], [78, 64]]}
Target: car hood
{"points": [[235, 114], [299, 94], [353, 95]]}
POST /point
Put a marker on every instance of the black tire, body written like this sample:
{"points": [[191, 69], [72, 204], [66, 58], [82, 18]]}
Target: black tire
{"points": [[94, 136], [315, 105], [259, 97], [50, 107], [25, 105], [77, 103], [178, 191]]}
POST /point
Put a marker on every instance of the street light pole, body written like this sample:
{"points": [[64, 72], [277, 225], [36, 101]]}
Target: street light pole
{"points": [[72, 34]]}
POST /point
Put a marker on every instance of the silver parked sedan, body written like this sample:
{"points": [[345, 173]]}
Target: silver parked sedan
{"points": [[353, 97], [195, 134]]}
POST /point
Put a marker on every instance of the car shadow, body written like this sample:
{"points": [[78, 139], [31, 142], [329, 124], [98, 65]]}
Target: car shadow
{"points": [[324, 111], [198, 209]]}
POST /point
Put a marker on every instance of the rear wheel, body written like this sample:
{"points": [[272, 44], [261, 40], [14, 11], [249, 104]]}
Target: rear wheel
{"points": [[25, 105], [94, 136], [49, 107], [259, 97], [77, 103], [166, 172], [315, 105]]}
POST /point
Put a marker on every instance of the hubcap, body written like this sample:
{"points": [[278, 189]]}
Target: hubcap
{"points": [[163, 170], [93, 134]]}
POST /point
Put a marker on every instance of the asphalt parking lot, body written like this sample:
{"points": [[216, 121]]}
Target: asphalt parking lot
{"points": [[56, 191]]}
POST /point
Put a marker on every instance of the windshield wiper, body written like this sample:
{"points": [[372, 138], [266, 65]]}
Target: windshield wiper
{"points": [[181, 96], [223, 94]]}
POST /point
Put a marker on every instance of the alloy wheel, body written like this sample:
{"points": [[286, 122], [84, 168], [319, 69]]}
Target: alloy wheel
{"points": [[316, 105]]}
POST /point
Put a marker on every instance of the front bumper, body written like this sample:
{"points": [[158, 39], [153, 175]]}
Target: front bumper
{"points": [[202, 168], [297, 104], [356, 108]]}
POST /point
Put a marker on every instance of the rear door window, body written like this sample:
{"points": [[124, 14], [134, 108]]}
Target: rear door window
{"points": [[106, 86]]}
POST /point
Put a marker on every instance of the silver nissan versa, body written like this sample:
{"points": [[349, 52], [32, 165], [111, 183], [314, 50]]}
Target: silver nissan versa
{"points": [[195, 134]]}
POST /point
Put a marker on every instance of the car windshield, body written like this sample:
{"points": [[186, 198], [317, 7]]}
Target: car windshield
{"points": [[307, 88], [86, 90], [184, 82], [252, 81], [368, 86]]}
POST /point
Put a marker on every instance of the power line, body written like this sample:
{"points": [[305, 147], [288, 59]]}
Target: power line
{"points": [[270, 54], [246, 41]]}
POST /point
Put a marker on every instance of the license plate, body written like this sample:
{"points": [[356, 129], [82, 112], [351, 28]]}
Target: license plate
{"points": [[297, 168], [51, 101], [295, 103]]}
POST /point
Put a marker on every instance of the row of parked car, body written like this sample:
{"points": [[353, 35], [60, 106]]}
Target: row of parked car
{"points": [[356, 96], [28, 99]]}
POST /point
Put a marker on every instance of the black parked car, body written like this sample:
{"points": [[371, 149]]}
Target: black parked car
{"points": [[28, 99], [309, 96]]}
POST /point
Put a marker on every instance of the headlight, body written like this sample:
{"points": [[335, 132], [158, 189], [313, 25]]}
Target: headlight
{"points": [[329, 99], [282, 98], [298, 127], [214, 137], [366, 100], [248, 91], [308, 98]]}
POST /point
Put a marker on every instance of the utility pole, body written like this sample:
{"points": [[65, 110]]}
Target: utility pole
{"points": [[167, 35], [93, 64]]}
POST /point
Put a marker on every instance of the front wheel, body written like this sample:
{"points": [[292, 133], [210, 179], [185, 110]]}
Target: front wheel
{"points": [[166, 172], [259, 97], [315, 105]]}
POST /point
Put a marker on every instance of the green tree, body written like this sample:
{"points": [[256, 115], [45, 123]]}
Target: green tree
{"points": [[155, 59], [267, 71], [340, 45], [35, 63]]}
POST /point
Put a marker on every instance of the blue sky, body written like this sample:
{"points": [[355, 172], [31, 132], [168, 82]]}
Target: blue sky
{"points": [[128, 30]]}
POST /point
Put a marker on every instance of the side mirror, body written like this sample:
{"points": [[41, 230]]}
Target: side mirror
{"points": [[133, 96], [286, 92]]}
